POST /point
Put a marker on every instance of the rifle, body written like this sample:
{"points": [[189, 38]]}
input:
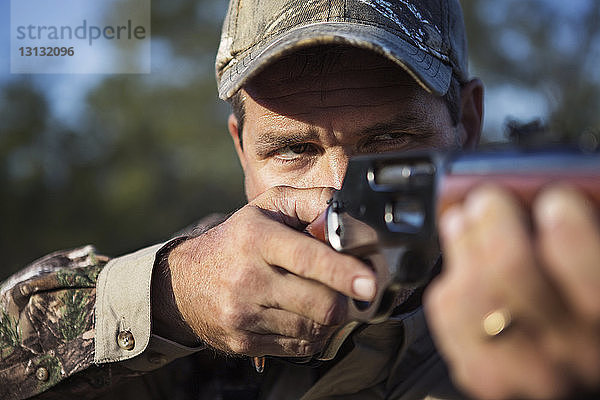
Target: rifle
{"points": [[386, 211]]}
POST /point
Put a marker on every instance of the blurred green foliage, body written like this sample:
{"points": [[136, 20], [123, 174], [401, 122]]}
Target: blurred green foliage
{"points": [[150, 154], [547, 47]]}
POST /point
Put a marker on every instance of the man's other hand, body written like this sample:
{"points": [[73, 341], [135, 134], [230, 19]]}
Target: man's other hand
{"points": [[541, 276]]}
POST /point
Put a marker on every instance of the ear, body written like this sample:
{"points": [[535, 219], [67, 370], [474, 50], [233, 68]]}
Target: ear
{"points": [[232, 126], [471, 103]]}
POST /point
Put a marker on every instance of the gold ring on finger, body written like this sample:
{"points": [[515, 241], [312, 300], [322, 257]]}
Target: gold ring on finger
{"points": [[496, 322]]}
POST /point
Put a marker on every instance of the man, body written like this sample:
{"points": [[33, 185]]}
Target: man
{"points": [[312, 84]]}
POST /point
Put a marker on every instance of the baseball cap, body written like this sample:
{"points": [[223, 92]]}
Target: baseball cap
{"points": [[425, 37]]}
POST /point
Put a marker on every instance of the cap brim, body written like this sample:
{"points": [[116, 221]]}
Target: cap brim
{"points": [[428, 71]]}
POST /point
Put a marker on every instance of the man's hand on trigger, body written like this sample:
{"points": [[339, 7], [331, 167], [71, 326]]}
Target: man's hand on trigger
{"points": [[256, 285], [536, 285]]}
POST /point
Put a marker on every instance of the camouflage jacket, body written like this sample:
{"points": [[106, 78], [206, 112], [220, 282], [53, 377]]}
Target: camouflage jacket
{"points": [[47, 349], [47, 332], [47, 343], [47, 322]]}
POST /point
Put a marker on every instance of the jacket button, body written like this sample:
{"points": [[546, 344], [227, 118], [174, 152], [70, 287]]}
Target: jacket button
{"points": [[42, 374], [126, 340]]}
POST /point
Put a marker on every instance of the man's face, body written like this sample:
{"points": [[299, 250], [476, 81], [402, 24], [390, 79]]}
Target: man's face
{"points": [[303, 122]]}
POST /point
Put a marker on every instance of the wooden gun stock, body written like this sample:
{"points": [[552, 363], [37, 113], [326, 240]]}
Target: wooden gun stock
{"points": [[454, 188]]}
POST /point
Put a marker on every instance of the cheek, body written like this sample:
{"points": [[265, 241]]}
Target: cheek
{"points": [[448, 139], [449, 136], [250, 187], [253, 185], [258, 180]]}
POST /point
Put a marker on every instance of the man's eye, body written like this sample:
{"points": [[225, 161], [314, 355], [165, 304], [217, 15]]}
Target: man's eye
{"points": [[293, 151], [299, 148], [390, 136], [387, 142]]}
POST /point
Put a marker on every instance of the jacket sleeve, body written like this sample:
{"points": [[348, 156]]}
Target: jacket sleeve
{"points": [[47, 321], [75, 323]]}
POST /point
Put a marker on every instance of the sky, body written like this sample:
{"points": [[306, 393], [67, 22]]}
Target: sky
{"points": [[4, 39], [66, 90]]}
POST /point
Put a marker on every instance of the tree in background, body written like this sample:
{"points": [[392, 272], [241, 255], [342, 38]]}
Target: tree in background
{"points": [[547, 51], [149, 154]]}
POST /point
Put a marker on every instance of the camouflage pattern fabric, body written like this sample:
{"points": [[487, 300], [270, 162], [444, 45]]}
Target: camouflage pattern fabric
{"points": [[47, 336], [47, 324]]}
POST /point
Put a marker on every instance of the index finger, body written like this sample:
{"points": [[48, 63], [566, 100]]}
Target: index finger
{"points": [[569, 241], [307, 257]]}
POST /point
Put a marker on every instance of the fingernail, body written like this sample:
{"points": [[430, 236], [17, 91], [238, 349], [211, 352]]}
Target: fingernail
{"points": [[550, 211], [452, 223], [364, 288], [478, 203], [559, 206]]}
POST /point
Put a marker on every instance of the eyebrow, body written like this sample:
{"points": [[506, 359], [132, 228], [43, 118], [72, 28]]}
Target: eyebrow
{"points": [[269, 141], [408, 122]]}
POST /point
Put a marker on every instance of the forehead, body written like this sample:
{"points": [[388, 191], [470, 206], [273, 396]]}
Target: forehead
{"points": [[326, 68], [335, 79]]}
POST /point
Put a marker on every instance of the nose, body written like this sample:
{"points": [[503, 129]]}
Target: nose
{"points": [[335, 163]]}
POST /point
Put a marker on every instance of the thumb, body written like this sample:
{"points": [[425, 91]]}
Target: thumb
{"points": [[294, 207]]}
